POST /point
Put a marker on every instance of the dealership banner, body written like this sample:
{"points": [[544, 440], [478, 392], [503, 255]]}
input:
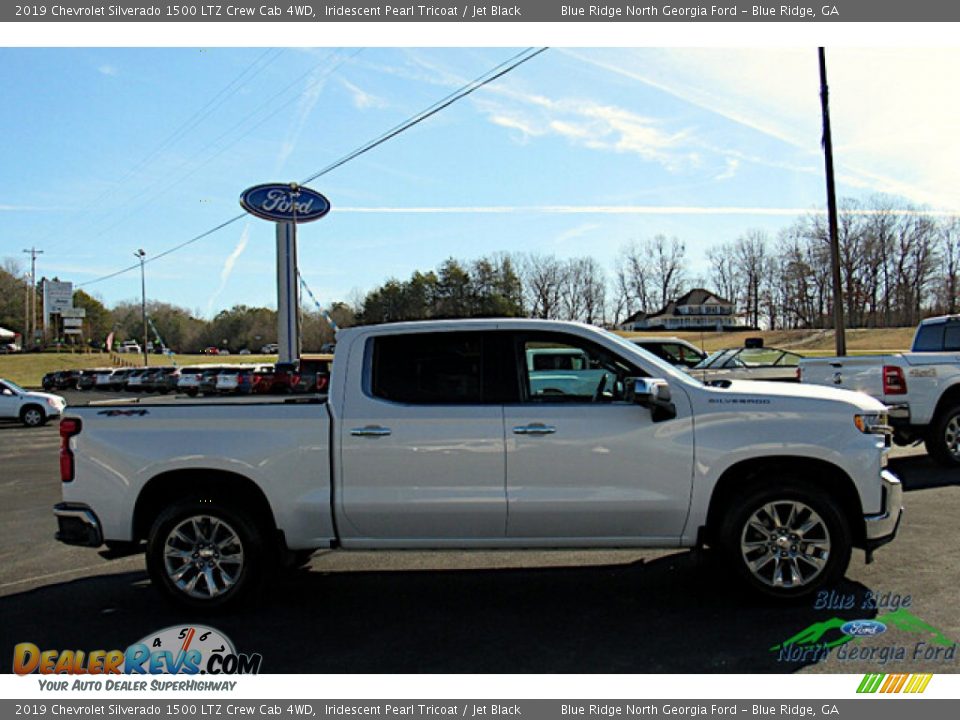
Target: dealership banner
{"points": [[406, 709], [481, 11]]}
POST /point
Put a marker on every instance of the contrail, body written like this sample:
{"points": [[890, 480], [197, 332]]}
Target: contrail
{"points": [[627, 210], [228, 264]]}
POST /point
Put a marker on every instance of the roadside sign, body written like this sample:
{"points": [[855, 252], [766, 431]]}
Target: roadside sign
{"points": [[72, 331], [287, 205], [72, 322], [284, 202], [73, 312]]}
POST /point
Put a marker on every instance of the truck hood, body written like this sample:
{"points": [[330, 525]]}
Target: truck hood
{"points": [[757, 388]]}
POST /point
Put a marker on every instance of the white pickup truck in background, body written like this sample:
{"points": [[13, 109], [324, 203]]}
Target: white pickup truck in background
{"points": [[921, 388], [494, 433]]}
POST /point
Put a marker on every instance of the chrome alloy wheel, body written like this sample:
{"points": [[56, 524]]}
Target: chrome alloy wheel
{"points": [[33, 417], [785, 544], [951, 437], [203, 556]]}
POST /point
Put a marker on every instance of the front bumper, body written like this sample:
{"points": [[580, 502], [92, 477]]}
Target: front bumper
{"points": [[882, 527], [77, 524]]}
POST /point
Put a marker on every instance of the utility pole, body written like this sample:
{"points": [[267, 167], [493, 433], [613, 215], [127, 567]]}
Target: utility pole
{"points": [[838, 328], [26, 313], [140, 254], [32, 329]]}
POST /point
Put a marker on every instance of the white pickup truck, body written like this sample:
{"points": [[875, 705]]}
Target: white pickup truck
{"points": [[443, 435], [921, 388]]}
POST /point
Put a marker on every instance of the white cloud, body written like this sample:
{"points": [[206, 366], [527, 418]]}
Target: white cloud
{"points": [[892, 117], [363, 100], [110, 70], [733, 164], [584, 122]]}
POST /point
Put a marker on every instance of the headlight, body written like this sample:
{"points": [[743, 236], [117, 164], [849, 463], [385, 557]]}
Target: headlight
{"points": [[873, 423]]}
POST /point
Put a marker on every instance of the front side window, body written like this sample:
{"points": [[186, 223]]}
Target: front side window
{"points": [[564, 369]]}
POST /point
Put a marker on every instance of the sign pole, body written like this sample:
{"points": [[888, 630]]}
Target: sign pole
{"points": [[288, 325]]}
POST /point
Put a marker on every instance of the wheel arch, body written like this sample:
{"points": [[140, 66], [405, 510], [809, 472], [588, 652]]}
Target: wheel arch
{"points": [[233, 489], [949, 398], [820, 474]]}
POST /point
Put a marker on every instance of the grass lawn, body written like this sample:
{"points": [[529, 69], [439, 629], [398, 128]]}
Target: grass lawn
{"points": [[27, 369]]}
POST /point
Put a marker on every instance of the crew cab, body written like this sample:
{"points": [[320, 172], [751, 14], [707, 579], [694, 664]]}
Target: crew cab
{"points": [[435, 435], [921, 388]]}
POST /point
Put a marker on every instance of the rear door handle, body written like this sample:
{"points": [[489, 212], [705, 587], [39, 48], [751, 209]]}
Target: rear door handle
{"points": [[534, 429], [370, 431]]}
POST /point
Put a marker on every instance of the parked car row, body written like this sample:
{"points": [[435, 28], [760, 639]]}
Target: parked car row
{"points": [[308, 375]]}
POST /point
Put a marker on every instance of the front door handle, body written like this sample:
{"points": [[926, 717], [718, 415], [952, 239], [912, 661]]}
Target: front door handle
{"points": [[534, 429], [370, 431]]}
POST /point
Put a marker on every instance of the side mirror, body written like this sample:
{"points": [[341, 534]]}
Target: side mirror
{"points": [[653, 393]]}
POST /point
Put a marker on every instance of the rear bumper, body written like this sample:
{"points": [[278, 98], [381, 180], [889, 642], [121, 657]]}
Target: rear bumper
{"points": [[882, 527], [77, 524], [899, 413]]}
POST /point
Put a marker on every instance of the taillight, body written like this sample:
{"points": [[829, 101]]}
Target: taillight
{"points": [[68, 428], [321, 382], [893, 381], [294, 380]]}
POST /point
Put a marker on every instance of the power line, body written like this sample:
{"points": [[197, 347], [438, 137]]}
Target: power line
{"points": [[132, 209], [485, 79], [189, 124]]}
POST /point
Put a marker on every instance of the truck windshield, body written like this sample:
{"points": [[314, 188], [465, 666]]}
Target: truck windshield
{"points": [[664, 369]]}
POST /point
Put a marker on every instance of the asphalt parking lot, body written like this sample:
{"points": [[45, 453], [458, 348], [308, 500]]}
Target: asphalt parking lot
{"points": [[483, 612]]}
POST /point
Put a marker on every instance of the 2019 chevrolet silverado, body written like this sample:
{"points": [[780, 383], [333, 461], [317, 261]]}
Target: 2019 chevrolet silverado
{"points": [[441, 435]]}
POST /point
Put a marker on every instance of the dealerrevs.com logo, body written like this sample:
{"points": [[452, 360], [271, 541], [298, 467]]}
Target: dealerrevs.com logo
{"points": [[176, 650]]}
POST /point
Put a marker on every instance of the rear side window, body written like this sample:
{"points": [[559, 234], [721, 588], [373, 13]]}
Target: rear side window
{"points": [[929, 338], [951, 337], [429, 368]]}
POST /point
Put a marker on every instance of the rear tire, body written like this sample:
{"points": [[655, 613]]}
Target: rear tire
{"points": [[203, 555], [785, 541], [943, 441], [33, 416]]}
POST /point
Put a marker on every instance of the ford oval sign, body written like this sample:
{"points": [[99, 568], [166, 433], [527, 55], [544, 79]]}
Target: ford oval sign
{"points": [[284, 202], [863, 628]]}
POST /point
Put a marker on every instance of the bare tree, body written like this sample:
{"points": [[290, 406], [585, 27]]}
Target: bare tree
{"points": [[583, 293], [751, 258], [543, 279], [947, 300]]}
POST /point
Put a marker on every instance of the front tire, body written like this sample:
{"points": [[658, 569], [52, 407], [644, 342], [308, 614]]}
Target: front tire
{"points": [[943, 442], [33, 416], [206, 556], [786, 541]]}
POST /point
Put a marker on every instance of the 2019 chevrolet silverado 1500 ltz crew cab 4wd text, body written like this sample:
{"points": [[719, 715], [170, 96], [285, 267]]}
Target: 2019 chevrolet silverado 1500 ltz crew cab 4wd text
{"points": [[445, 434]]}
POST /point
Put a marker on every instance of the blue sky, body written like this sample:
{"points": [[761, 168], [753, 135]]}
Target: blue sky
{"points": [[577, 152]]}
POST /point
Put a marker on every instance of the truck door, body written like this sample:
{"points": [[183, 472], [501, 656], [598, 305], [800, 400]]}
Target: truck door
{"points": [[423, 442], [582, 462]]}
